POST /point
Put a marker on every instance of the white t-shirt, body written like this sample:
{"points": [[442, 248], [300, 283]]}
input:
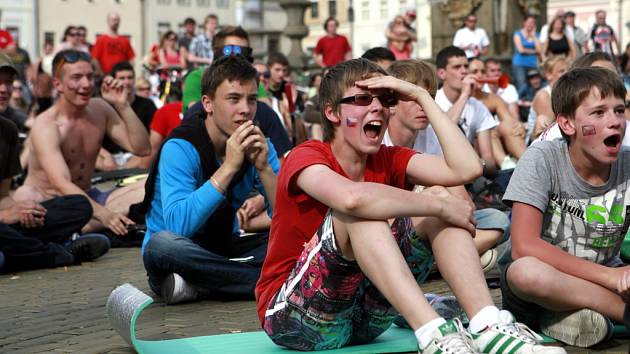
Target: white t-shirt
{"points": [[464, 37], [553, 132], [426, 142], [508, 94], [475, 117]]}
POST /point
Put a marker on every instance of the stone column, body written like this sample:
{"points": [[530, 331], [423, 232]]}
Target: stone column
{"points": [[296, 30]]}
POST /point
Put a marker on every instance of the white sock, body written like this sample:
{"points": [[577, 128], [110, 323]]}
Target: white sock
{"points": [[486, 317], [424, 334]]}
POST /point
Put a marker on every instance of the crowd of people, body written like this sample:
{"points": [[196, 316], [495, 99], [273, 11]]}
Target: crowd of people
{"points": [[331, 205]]}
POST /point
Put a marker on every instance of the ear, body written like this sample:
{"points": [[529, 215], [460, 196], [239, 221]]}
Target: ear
{"points": [[57, 84], [566, 124], [331, 115], [206, 102], [441, 73]]}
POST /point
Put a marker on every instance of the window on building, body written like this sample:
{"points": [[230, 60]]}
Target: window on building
{"points": [[49, 37], [223, 4], [205, 3], [162, 28], [384, 8], [183, 2], [365, 10], [332, 8], [273, 45], [163, 2], [314, 9]]}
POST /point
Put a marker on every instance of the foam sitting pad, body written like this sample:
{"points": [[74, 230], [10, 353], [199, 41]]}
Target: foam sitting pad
{"points": [[125, 304]]}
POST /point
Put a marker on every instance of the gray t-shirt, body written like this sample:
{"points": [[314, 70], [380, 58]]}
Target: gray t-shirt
{"points": [[586, 221]]}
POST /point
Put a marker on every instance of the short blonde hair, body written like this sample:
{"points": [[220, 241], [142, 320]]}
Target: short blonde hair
{"points": [[417, 72]]}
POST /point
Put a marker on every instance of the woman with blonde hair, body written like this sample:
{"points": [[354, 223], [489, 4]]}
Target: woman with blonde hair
{"points": [[540, 114]]}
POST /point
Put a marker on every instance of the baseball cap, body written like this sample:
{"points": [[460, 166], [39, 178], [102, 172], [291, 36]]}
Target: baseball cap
{"points": [[532, 73], [7, 65]]}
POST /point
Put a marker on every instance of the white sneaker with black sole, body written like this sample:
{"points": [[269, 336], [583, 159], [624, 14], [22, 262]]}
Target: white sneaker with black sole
{"points": [[176, 290]]}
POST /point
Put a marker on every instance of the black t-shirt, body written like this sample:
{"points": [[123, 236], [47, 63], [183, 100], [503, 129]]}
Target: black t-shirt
{"points": [[9, 158], [269, 124], [144, 108], [17, 117]]}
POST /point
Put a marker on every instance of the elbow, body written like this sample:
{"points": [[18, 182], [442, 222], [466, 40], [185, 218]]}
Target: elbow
{"points": [[474, 172], [352, 200]]}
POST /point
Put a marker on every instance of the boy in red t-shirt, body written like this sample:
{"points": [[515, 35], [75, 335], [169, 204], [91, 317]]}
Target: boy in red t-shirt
{"points": [[345, 257]]}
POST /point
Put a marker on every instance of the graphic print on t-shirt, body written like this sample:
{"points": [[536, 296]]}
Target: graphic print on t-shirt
{"points": [[589, 228]]}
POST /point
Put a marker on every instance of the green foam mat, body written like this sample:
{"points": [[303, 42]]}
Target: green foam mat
{"points": [[125, 304]]}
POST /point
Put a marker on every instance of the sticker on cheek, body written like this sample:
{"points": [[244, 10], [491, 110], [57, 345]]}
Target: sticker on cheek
{"points": [[351, 122], [588, 130]]}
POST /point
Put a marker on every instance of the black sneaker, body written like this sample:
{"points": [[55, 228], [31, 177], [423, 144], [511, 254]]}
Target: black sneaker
{"points": [[88, 247]]}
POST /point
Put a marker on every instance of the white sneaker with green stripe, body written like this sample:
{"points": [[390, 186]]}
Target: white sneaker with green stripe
{"points": [[450, 337], [510, 337]]}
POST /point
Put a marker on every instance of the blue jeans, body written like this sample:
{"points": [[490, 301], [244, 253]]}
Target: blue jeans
{"points": [[493, 219], [214, 275], [520, 76]]}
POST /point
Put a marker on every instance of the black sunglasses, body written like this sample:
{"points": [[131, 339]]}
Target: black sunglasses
{"points": [[365, 99]]}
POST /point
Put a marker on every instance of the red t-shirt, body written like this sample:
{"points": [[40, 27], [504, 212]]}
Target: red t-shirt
{"points": [[167, 118], [297, 215], [332, 49], [110, 50]]}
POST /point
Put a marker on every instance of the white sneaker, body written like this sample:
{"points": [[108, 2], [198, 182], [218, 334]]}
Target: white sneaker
{"points": [[489, 259], [583, 328], [176, 290], [450, 337], [510, 337]]}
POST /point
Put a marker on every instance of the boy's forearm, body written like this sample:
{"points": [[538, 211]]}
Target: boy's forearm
{"points": [[375, 201], [137, 133]]}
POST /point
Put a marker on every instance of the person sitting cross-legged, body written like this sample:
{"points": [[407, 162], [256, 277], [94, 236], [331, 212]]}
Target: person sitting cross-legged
{"points": [[202, 175], [344, 255]]}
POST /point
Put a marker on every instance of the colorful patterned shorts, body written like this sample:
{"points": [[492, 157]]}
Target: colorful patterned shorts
{"points": [[327, 302]]}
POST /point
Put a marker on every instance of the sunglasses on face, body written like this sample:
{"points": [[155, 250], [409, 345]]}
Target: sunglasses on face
{"points": [[365, 99], [228, 50], [171, 38]]}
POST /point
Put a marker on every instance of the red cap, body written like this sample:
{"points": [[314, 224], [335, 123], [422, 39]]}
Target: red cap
{"points": [[411, 13]]}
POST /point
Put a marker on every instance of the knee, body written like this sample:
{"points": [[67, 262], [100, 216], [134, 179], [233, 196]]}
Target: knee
{"points": [[527, 275], [162, 242]]}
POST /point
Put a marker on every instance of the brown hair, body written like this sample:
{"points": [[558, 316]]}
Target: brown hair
{"points": [[230, 31], [575, 85], [417, 72], [336, 81], [226, 68]]}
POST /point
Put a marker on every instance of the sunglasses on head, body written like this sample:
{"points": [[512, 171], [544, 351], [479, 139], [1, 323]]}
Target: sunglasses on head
{"points": [[228, 50], [365, 99], [72, 57]]}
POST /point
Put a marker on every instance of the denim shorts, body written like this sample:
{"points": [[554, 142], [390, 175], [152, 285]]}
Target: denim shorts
{"points": [[327, 302]]}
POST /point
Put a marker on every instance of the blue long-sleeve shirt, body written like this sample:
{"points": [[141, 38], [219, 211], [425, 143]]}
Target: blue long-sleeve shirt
{"points": [[184, 200]]}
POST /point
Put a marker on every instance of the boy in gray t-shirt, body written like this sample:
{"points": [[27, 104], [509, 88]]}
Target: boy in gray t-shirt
{"points": [[569, 216]]}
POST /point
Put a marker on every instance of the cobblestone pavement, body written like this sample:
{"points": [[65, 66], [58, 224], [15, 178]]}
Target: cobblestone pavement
{"points": [[63, 310]]}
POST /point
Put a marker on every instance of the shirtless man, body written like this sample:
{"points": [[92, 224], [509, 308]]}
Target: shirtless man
{"points": [[66, 139]]}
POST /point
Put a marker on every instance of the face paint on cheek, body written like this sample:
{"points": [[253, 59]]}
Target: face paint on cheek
{"points": [[588, 130], [351, 122]]}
